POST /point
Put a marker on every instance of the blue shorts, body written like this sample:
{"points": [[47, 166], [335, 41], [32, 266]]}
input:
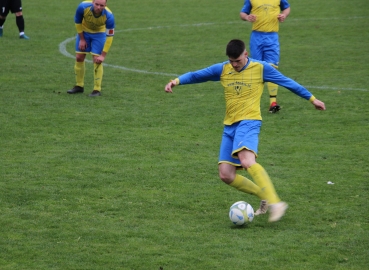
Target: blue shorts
{"points": [[95, 43], [265, 47], [236, 137]]}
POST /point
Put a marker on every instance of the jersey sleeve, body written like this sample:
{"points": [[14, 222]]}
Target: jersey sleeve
{"points": [[246, 7], [78, 17], [270, 74], [211, 73], [284, 4], [110, 24]]}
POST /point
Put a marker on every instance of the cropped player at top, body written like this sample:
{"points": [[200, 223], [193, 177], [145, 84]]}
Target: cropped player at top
{"points": [[265, 16], [243, 81], [13, 6], [95, 30]]}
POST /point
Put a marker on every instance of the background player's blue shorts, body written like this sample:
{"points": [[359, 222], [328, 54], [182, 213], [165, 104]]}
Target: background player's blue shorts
{"points": [[265, 47], [240, 135], [95, 43]]}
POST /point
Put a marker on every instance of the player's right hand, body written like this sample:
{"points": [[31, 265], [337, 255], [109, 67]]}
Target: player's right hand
{"points": [[251, 18], [82, 45]]}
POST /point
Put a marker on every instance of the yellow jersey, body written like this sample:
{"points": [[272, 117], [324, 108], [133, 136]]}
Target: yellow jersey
{"points": [[266, 12]]}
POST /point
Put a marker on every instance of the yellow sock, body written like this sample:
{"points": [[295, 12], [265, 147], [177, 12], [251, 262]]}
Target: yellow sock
{"points": [[273, 91], [245, 185], [79, 70], [98, 74], [262, 179]]}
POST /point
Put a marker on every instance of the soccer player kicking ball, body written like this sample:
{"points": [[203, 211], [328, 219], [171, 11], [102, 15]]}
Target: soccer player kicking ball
{"points": [[95, 27], [243, 81]]}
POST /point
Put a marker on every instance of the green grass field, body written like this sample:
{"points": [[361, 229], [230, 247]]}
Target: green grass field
{"points": [[129, 180]]}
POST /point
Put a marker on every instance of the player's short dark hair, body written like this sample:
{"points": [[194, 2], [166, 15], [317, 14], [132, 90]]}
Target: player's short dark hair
{"points": [[235, 48]]}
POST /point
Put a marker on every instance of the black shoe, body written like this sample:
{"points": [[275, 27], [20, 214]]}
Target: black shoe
{"points": [[95, 93], [274, 107], [75, 90]]}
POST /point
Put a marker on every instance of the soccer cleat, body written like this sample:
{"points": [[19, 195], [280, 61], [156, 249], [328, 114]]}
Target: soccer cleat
{"points": [[23, 37], [76, 89], [263, 208], [274, 107], [277, 211], [1, 32], [95, 93]]}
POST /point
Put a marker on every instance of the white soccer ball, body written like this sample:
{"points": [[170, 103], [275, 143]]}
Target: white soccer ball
{"points": [[241, 212]]}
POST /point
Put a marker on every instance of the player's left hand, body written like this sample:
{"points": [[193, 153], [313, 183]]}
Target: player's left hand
{"points": [[281, 17], [99, 59], [319, 105]]}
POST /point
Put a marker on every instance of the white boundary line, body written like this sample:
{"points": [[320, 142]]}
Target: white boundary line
{"points": [[336, 88], [63, 50]]}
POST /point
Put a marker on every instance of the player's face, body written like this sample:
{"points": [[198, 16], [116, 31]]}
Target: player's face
{"points": [[239, 62], [99, 6]]}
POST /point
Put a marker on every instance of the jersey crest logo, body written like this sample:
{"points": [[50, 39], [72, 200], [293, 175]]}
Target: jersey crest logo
{"points": [[266, 8], [238, 89]]}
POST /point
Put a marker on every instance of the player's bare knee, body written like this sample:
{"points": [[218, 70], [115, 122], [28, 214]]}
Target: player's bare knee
{"points": [[226, 177], [80, 57]]}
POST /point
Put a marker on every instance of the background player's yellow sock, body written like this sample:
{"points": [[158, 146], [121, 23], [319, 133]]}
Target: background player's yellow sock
{"points": [[262, 179], [273, 91], [79, 70], [98, 74], [245, 185]]}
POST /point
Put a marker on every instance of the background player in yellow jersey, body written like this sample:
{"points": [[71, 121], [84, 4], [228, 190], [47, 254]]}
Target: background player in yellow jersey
{"points": [[13, 6], [95, 27], [265, 16], [243, 81]]}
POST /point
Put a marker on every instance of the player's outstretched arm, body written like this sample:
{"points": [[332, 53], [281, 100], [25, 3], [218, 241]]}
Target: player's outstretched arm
{"points": [[319, 105]]}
